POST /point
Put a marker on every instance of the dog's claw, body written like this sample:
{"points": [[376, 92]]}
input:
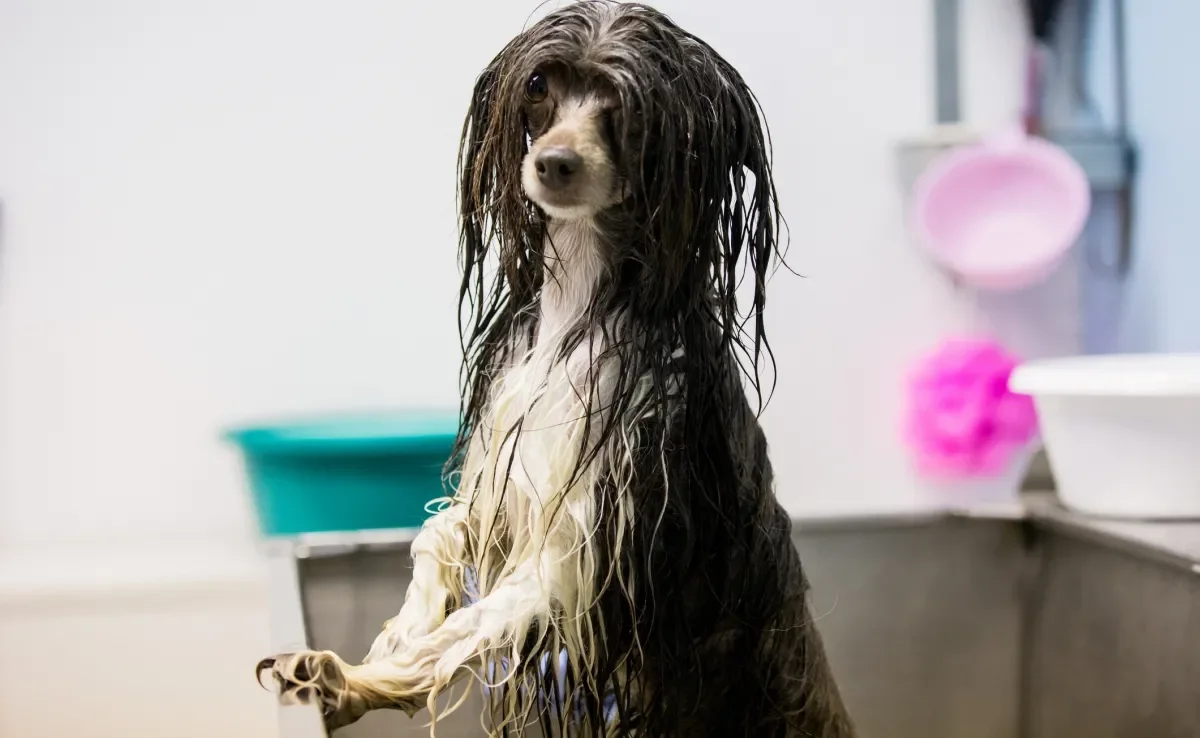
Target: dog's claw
{"points": [[301, 682]]}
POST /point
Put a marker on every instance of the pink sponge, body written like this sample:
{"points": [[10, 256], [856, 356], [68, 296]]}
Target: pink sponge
{"points": [[963, 422]]}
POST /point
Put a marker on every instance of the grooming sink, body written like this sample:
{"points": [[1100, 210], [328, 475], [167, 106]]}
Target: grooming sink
{"points": [[1040, 624]]}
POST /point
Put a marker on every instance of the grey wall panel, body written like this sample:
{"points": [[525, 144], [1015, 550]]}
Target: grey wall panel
{"points": [[1114, 651], [922, 625]]}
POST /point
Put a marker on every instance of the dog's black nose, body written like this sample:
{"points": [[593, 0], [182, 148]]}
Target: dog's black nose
{"points": [[557, 166]]}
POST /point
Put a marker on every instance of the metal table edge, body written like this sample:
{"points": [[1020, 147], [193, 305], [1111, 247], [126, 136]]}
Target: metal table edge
{"points": [[1157, 541], [289, 632], [1040, 509]]}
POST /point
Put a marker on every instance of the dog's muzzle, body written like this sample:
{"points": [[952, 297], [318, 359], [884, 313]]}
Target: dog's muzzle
{"points": [[557, 167]]}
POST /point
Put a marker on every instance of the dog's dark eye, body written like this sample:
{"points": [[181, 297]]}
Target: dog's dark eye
{"points": [[537, 88]]}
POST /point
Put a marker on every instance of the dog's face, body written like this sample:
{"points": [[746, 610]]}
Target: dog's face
{"points": [[610, 111], [572, 122]]}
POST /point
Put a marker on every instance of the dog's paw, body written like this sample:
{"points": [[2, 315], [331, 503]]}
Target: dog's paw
{"points": [[310, 678]]}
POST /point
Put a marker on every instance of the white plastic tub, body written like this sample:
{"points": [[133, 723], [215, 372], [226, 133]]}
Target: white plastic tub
{"points": [[1122, 432]]}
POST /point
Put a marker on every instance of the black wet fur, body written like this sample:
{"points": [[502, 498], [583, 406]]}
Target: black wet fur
{"points": [[717, 639]]}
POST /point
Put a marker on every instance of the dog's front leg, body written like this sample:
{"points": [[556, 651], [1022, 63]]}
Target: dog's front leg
{"points": [[436, 586], [437, 582], [413, 676]]}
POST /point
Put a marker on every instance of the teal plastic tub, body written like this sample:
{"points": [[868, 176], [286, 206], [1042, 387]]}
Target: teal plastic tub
{"points": [[346, 473]]}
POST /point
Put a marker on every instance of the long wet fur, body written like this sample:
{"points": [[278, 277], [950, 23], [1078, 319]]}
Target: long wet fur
{"points": [[612, 496]]}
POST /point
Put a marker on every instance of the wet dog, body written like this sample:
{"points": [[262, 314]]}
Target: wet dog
{"points": [[612, 560]]}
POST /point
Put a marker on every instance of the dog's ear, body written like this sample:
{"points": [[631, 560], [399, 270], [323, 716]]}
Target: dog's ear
{"points": [[752, 233], [499, 237], [475, 179]]}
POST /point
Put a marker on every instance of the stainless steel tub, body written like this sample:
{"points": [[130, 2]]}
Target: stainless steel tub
{"points": [[949, 626]]}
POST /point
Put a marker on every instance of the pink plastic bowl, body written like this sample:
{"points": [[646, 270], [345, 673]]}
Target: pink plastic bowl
{"points": [[1001, 215]]}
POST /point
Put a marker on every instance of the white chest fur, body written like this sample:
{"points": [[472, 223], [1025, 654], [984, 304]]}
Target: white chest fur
{"points": [[527, 492], [525, 515]]}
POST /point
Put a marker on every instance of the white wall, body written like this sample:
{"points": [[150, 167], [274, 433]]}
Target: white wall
{"points": [[231, 209]]}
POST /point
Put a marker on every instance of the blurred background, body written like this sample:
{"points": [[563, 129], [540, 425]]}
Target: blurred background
{"points": [[217, 212]]}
